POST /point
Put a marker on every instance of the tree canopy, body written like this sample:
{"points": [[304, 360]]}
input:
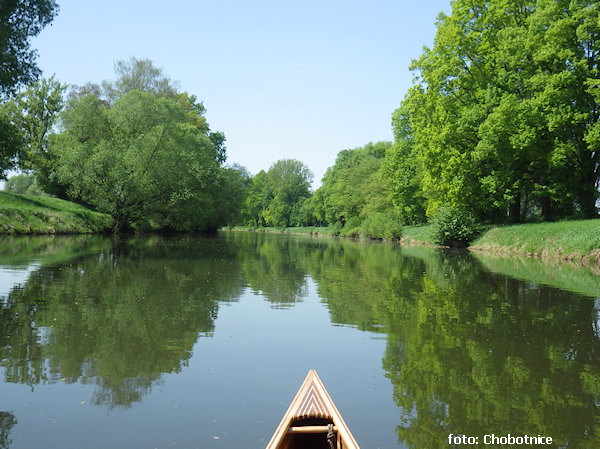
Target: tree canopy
{"points": [[141, 153], [275, 197], [503, 117], [19, 21]]}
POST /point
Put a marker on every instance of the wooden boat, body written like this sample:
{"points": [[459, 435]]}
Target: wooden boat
{"points": [[312, 421]]}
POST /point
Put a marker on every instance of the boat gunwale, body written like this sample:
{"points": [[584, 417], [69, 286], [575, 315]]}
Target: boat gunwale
{"points": [[312, 401]]}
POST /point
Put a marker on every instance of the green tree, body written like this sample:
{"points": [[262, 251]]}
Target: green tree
{"points": [[11, 141], [19, 183], [35, 113], [353, 190], [138, 160], [276, 196], [503, 113], [289, 181], [257, 200], [402, 168], [19, 21], [138, 74]]}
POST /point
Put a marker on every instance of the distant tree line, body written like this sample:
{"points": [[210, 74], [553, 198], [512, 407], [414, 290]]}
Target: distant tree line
{"points": [[501, 126]]}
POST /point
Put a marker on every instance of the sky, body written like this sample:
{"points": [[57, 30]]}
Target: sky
{"points": [[282, 79]]}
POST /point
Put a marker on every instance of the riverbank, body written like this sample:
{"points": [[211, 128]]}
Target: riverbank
{"points": [[30, 214], [577, 241], [305, 230]]}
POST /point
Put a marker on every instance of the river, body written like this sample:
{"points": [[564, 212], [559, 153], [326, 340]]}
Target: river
{"points": [[202, 342]]}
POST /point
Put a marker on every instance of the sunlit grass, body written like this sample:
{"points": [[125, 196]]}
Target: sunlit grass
{"points": [[418, 234], [291, 230], [30, 214], [563, 238]]}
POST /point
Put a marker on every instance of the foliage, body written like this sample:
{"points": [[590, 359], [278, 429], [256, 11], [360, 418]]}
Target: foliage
{"points": [[35, 113], [10, 142], [402, 169], [453, 227], [278, 197], [136, 160], [378, 225], [143, 153], [23, 184], [354, 189], [503, 114], [138, 74], [19, 21]]}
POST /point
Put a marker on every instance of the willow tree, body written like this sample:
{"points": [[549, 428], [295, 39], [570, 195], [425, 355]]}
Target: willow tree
{"points": [[137, 160]]}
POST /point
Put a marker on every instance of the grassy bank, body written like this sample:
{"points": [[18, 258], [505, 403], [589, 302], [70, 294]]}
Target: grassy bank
{"points": [[417, 235], [569, 240], [306, 230], [29, 214]]}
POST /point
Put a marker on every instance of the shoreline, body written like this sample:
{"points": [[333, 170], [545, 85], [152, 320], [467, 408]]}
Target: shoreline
{"points": [[590, 259]]}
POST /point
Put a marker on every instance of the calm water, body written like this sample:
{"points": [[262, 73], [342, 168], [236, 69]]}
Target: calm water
{"points": [[196, 342]]}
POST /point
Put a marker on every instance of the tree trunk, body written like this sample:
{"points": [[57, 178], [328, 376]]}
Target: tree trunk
{"points": [[589, 193], [514, 210], [546, 203]]}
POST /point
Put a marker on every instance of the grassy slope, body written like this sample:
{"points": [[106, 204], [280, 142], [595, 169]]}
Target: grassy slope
{"points": [[28, 214], [418, 235], [294, 230], [572, 240], [563, 239]]}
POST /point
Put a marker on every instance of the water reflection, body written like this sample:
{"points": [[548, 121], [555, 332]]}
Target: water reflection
{"points": [[7, 421], [117, 319], [470, 350], [480, 353]]}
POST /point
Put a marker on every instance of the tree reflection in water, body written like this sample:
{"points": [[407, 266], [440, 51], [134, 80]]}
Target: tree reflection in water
{"points": [[468, 351], [7, 422]]}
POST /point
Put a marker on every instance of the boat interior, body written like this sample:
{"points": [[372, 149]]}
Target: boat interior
{"points": [[313, 433]]}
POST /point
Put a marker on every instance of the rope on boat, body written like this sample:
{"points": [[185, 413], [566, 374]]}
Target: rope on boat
{"points": [[331, 436]]}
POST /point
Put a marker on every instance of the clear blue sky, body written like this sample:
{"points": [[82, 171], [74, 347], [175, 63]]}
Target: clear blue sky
{"points": [[282, 79]]}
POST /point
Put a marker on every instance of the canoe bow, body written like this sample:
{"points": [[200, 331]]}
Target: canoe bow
{"points": [[310, 417]]}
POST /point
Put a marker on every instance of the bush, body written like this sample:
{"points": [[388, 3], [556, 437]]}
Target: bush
{"points": [[336, 228], [453, 227], [382, 225], [351, 227]]}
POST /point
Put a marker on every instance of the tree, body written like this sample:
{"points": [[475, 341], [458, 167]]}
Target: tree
{"points": [[138, 74], [289, 181], [402, 168], [257, 200], [353, 187], [275, 197], [35, 112], [503, 114], [19, 21], [10, 142], [139, 160]]}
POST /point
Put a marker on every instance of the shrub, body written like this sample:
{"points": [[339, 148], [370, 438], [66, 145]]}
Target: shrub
{"points": [[453, 227], [351, 227], [381, 225]]}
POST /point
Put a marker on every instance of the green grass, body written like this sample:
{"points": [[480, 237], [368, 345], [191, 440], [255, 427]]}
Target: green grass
{"points": [[420, 234], [292, 230], [564, 239], [29, 214]]}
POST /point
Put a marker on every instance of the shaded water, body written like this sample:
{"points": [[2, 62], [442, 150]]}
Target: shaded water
{"points": [[196, 342]]}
